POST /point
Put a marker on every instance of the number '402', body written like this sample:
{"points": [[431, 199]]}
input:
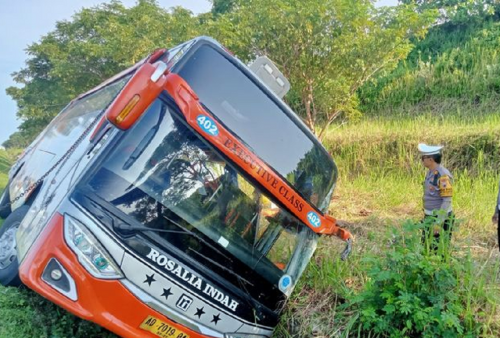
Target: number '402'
{"points": [[314, 219], [208, 125]]}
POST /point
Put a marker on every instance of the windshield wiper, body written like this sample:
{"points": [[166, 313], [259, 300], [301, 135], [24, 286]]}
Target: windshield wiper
{"points": [[241, 281], [247, 296], [125, 227], [221, 266], [186, 230]]}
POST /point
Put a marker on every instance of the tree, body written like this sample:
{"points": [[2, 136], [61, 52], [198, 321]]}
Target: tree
{"points": [[326, 48], [16, 140], [458, 11], [221, 6], [79, 54]]}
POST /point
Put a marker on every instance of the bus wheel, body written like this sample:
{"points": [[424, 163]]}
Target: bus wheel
{"points": [[9, 265]]}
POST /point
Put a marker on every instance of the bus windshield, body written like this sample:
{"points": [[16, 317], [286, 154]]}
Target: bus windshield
{"points": [[165, 177], [263, 124]]}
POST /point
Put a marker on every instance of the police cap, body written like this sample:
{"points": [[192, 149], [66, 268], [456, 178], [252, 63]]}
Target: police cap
{"points": [[425, 149]]}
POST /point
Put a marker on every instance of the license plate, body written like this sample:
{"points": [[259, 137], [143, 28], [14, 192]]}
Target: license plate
{"points": [[161, 328]]}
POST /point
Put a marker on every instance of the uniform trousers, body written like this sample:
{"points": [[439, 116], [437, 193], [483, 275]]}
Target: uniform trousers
{"points": [[429, 220]]}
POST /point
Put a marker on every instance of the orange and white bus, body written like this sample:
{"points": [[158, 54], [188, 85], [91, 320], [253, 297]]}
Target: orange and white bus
{"points": [[181, 198]]}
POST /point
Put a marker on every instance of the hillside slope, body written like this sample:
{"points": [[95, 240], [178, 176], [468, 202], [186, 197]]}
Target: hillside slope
{"points": [[456, 67]]}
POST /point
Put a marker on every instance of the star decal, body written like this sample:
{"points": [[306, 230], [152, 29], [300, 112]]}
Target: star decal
{"points": [[216, 319], [166, 293], [150, 279], [199, 312]]}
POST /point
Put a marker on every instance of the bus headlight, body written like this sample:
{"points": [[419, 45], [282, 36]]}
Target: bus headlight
{"points": [[31, 226], [89, 251]]}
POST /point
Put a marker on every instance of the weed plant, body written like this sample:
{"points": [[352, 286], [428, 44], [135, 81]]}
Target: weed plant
{"points": [[396, 286], [414, 290]]}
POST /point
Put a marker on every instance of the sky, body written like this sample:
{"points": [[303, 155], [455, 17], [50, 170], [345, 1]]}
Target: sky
{"points": [[23, 22]]}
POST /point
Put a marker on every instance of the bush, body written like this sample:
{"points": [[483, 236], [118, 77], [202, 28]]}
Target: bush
{"points": [[413, 291]]}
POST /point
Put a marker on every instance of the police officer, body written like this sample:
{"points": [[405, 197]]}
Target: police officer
{"points": [[495, 219], [438, 191]]}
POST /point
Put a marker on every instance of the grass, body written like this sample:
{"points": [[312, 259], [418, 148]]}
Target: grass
{"points": [[381, 172], [454, 61], [5, 162], [26, 314], [379, 189]]}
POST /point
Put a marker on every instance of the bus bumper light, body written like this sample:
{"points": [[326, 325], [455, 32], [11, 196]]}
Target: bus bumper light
{"points": [[58, 278]]}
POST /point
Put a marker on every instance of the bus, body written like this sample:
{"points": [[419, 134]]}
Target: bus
{"points": [[180, 198]]}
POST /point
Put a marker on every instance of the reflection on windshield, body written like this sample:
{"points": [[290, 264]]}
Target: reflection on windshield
{"points": [[261, 123], [164, 176]]}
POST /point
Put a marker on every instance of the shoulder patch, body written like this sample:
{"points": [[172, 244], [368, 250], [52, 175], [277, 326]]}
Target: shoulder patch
{"points": [[445, 187], [435, 180]]}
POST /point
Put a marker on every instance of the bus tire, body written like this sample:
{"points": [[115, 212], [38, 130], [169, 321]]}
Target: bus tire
{"points": [[9, 264]]}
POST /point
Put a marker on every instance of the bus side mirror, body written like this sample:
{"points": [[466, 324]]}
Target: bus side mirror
{"points": [[139, 92], [335, 230]]}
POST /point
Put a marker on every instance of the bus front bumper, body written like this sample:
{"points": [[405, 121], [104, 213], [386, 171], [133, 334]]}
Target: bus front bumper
{"points": [[107, 303]]}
